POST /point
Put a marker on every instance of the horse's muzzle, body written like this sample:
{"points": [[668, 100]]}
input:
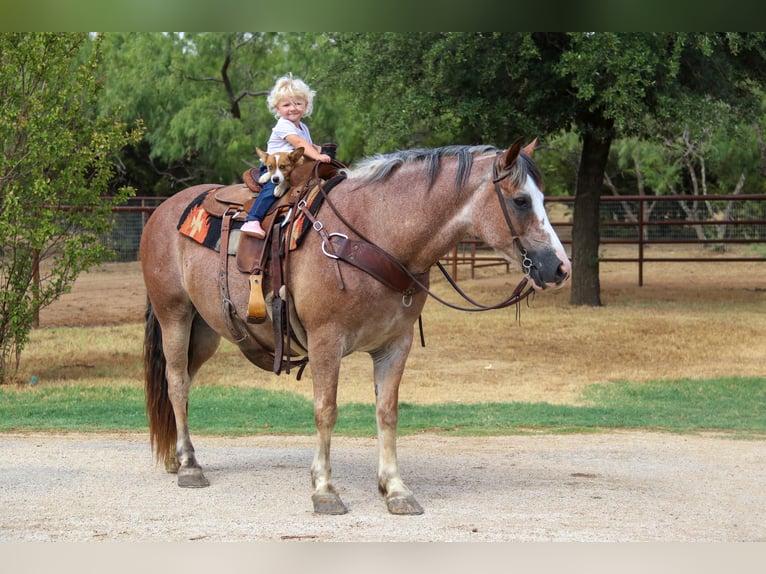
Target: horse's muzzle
{"points": [[549, 269]]}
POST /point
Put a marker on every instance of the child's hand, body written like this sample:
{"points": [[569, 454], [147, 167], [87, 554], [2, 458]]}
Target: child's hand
{"points": [[324, 158]]}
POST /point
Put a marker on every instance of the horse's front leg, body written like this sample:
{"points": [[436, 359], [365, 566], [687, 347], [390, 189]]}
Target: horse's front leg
{"points": [[324, 373], [388, 370]]}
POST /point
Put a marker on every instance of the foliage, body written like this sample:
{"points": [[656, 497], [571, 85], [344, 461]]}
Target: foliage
{"points": [[202, 97], [382, 91], [435, 87], [56, 162], [728, 404]]}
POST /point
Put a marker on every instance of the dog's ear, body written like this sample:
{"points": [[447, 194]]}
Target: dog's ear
{"points": [[261, 154], [296, 154]]}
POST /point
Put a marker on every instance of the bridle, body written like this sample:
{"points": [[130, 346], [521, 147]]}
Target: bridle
{"points": [[526, 262], [520, 292]]}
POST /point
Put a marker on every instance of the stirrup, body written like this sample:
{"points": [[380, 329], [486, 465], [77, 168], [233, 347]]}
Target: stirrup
{"points": [[256, 306]]}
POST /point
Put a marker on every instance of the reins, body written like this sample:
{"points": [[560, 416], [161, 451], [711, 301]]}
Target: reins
{"points": [[521, 292]]}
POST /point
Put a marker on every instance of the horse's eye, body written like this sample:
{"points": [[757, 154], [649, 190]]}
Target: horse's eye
{"points": [[521, 202]]}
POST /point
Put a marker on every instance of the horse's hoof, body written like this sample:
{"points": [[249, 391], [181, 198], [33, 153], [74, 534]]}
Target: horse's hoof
{"points": [[192, 478], [403, 505], [328, 503], [171, 466]]}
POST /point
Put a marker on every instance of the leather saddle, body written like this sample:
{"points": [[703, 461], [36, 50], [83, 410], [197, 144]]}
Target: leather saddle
{"points": [[231, 203], [239, 197]]}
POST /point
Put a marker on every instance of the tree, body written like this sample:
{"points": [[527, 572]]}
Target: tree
{"points": [[431, 88], [55, 165]]}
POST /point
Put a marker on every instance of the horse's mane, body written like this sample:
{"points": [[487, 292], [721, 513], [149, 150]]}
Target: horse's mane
{"points": [[378, 167]]}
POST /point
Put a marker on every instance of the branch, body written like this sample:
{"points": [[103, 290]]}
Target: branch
{"points": [[193, 79], [252, 93]]}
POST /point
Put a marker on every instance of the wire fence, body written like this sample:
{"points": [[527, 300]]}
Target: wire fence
{"points": [[129, 223]]}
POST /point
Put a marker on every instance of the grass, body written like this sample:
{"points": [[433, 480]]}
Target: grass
{"points": [[732, 405], [487, 374]]}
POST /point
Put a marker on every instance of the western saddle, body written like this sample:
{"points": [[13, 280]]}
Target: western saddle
{"points": [[257, 257]]}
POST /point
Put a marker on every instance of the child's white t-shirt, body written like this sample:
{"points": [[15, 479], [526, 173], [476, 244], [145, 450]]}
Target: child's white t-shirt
{"points": [[283, 128]]}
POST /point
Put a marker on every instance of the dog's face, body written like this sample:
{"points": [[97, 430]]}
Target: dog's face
{"points": [[278, 168]]}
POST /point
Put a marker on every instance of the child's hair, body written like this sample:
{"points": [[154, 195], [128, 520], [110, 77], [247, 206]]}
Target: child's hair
{"points": [[288, 87]]}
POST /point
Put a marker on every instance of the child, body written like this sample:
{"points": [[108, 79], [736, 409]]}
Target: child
{"points": [[290, 99]]}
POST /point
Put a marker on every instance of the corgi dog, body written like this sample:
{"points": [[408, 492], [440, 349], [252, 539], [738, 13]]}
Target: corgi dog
{"points": [[278, 168]]}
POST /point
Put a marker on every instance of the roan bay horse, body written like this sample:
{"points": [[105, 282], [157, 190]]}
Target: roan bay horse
{"points": [[415, 205]]}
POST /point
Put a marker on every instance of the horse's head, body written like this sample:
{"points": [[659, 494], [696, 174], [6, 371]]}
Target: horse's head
{"points": [[519, 223]]}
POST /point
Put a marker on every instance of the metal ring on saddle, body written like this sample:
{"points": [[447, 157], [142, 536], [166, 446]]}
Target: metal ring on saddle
{"points": [[332, 255]]}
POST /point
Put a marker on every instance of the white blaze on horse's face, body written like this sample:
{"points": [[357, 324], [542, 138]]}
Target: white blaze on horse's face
{"points": [[538, 207]]}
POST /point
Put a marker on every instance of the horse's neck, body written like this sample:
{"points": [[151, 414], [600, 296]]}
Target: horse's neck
{"points": [[414, 224]]}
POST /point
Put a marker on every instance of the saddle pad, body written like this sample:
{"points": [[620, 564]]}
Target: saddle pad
{"points": [[197, 224]]}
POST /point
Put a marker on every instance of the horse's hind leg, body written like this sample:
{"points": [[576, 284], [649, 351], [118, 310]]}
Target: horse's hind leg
{"points": [[187, 344], [388, 370]]}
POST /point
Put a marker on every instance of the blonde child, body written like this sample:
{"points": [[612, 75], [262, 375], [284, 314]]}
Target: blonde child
{"points": [[290, 100]]}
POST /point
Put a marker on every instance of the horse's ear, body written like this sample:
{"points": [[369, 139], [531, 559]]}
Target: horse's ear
{"points": [[510, 155], [529, 149]]}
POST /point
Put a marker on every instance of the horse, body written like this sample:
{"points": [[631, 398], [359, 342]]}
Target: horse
{"points": [[414, 205]]}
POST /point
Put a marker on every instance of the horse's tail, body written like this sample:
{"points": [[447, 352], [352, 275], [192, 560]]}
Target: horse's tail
{"points": [[162, 420]]}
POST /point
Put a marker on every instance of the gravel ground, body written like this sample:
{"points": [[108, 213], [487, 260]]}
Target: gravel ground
{"points": [[624, 486]]}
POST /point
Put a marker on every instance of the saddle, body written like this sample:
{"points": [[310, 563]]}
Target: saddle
{"points": [[257, 257]]}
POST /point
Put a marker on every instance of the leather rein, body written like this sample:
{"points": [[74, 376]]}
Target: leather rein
{"points": [[400, 278]]}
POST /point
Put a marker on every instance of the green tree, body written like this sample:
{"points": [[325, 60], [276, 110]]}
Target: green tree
{"points": [[434, 88], [56, 162]]}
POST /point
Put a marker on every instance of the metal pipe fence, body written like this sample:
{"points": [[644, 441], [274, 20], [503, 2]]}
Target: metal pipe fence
{"points": [[715, 221]]}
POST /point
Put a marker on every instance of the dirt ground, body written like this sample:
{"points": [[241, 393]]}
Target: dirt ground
{"points": [[617, 486], [620, 486]]}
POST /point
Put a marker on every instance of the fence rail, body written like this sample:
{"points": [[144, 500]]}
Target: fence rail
{"points": [[718, 220]]}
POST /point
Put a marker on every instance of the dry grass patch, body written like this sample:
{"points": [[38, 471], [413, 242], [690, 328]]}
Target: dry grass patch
{"points": [[690, 320]]}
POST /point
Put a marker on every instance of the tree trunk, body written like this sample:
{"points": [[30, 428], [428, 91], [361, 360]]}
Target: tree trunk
{"points": [[586, 289]]}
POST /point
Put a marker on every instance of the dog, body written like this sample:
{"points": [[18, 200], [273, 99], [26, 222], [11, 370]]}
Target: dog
{"points": [[279, 165]]}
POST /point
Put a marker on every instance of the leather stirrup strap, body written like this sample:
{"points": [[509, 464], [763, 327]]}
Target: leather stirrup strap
{"points": [[277, 316], [227, 307]]}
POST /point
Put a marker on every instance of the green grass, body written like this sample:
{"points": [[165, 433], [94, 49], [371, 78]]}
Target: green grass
{"points": [[732, 405]]}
